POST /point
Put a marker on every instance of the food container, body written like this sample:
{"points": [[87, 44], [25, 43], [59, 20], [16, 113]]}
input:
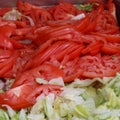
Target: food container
{"points": [[28, 90]]}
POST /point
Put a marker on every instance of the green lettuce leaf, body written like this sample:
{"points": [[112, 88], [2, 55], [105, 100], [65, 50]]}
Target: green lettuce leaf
{"points": [[87, 7], [3, 115]]}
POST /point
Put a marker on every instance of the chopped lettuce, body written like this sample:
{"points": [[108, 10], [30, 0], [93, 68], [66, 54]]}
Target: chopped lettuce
{"points": [[87, 7], [80, 100], [22, 114], [12, 15], [3, 115]]}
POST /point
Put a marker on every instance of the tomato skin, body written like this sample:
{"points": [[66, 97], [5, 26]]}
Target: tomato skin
{"points": [[112, 9], [70, 78], [80, 25], [5, 42], [17, 44], [20, 24], [25, 95], [113, 38], [7, 62], [41, 15], [45, 71], [93, 48], [59, 23], [22, 31], [100, 66], [63, 11], [38, 14], [68, 7], [5, 10], [44, 53], [106, 23], [65, 32], [111, 48], [92, 24], [45, 89], [16, 97], [7, 30], [23, 56], [4, 54]]}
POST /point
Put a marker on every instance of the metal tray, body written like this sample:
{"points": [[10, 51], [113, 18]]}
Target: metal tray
{"points": [[4, 3]]}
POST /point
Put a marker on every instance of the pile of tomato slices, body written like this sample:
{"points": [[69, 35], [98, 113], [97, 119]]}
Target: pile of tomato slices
{"points": [[58, 41]]}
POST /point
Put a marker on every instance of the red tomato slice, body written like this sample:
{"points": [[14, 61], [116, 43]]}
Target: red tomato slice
{"points": [[63, 11], [93, 48], [4, 54], [6, 63], [106, 23], [65, 32], [71, 69], [113, 38], [25, 95], [92, 24], [41, 15], [82, 24], [5, 42], [4, 10], [112, 9], [63, 47], [111, 48], [17, 97], [100, 66], [23, 57], [7, 30], [45, 71]]}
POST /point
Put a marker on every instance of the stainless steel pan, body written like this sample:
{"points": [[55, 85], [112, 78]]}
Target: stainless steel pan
{"points": [[37, 2]]}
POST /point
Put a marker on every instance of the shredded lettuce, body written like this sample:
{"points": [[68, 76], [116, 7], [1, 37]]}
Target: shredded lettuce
{"points": [[14, 14], [87, 7], [22, 115], [3, 115], [54, 81], [80, 100]]}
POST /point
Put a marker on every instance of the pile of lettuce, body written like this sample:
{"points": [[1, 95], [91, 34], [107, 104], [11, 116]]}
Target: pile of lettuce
{"points": [[96, 99]]}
